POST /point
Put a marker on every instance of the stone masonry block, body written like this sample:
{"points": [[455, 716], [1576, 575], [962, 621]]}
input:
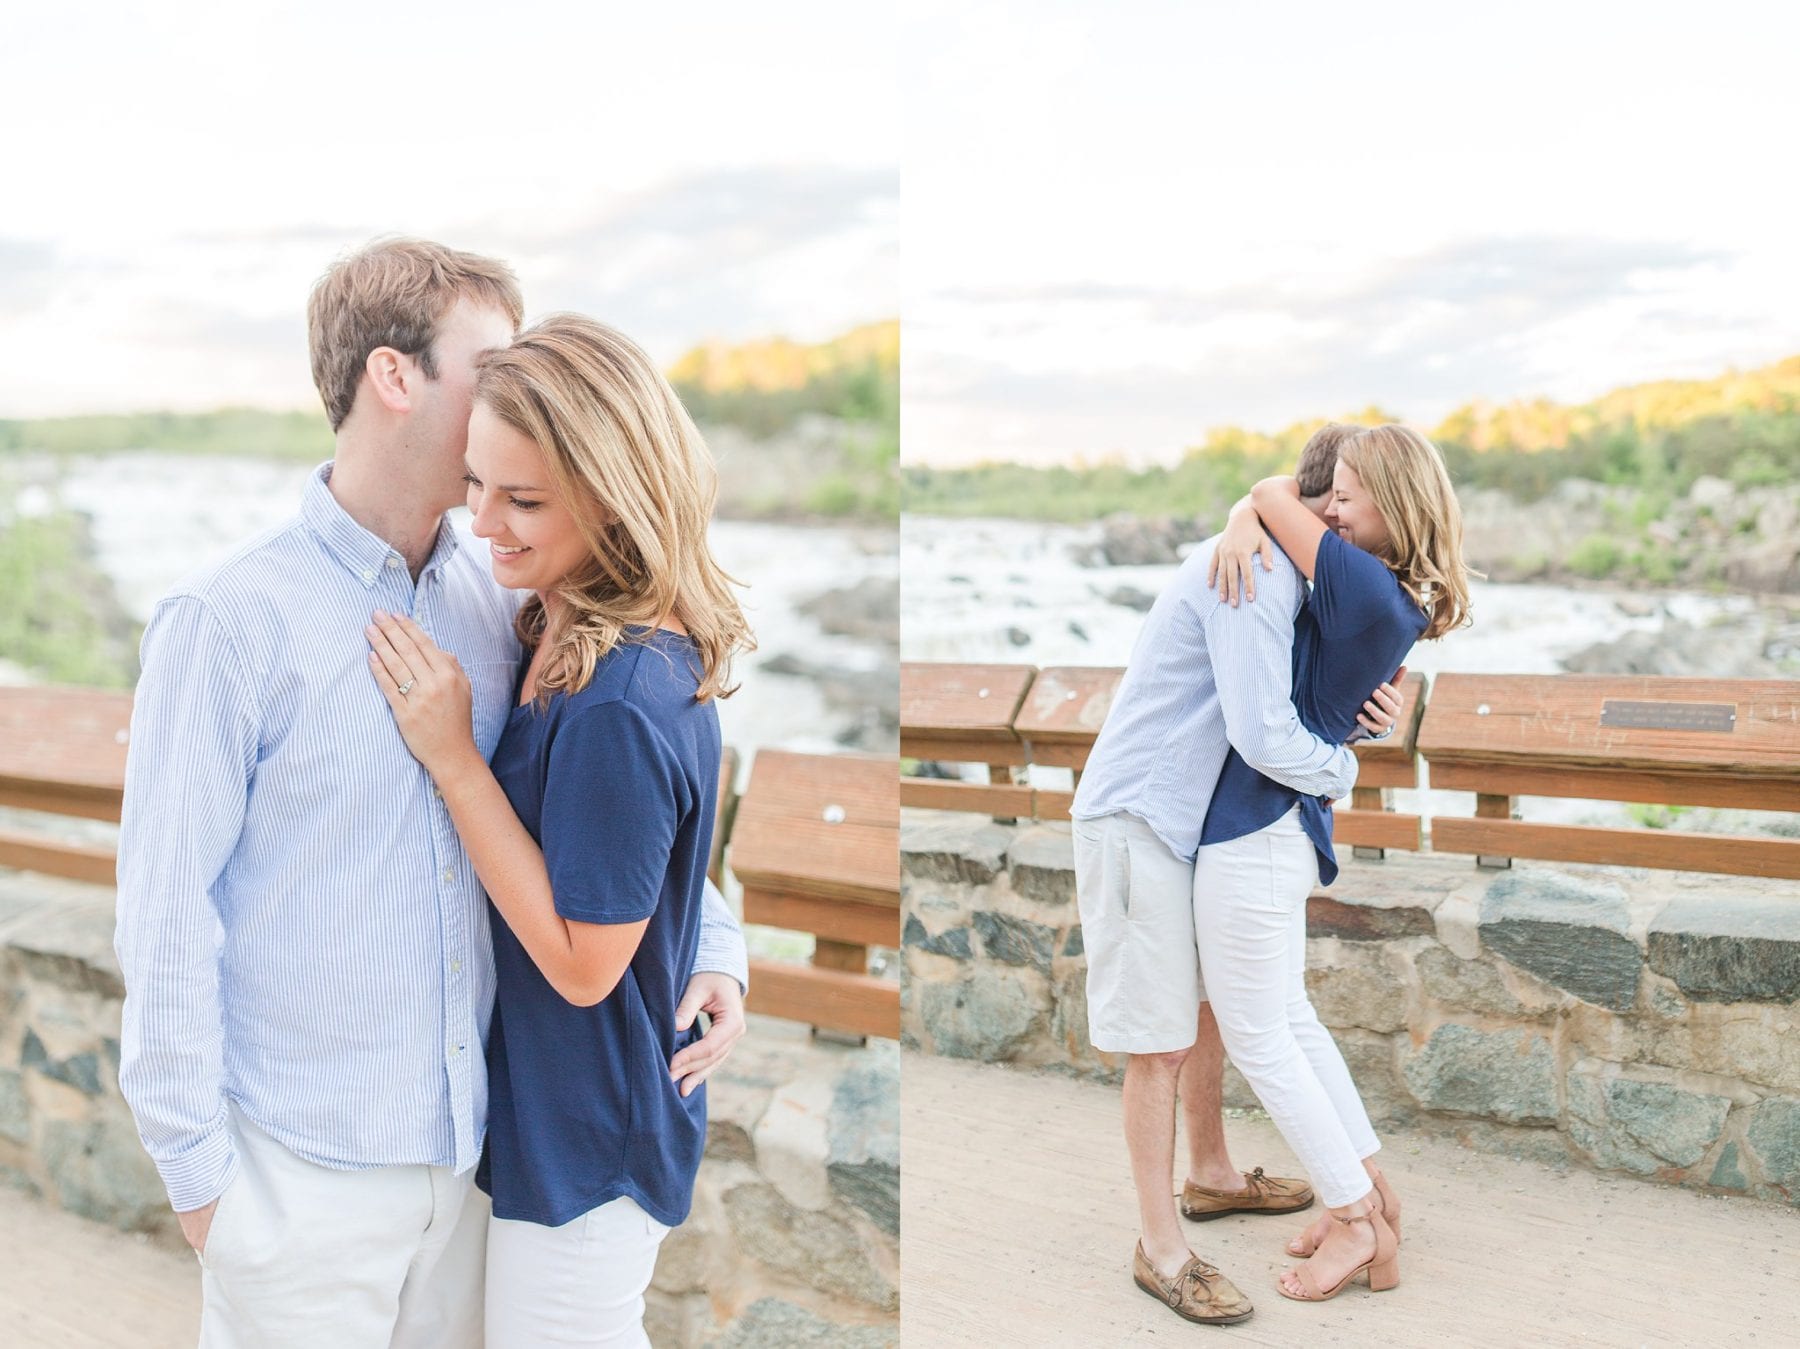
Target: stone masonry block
{"points": [[989, 1016], [955, 848], [818, 1249], [1042, 863], [1645, 1126], [1015, 941], [1359, 985], [1774, 1135], [953, 942], [1725, 948], [864, 1137], [1354, 920], [1572, 933], [1508, 1076]]}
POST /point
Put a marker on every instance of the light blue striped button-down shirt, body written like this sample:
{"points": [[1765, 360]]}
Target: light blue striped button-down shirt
{"points": [[300, 930], [1205, 677]]}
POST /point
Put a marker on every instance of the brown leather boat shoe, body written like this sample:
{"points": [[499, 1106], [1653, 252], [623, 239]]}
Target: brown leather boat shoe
{"points": [[1261, 1194], [1198, 1293]]}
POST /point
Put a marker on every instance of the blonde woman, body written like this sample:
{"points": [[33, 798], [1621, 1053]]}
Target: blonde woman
{"points": [[1386, 567], [592, 829]]}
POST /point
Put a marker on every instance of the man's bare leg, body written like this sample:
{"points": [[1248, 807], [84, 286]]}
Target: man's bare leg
{"points": [[1150, 1137], [1202, 1109]]}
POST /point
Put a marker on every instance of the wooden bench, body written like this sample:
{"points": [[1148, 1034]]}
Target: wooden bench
{"points": [[814, 840], [62, 751], [1011, 715], [1684, 742], [816, 846], [964, 714]]}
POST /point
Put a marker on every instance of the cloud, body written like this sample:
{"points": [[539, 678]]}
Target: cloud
{"points": [[735, 253], [1496, 316]]}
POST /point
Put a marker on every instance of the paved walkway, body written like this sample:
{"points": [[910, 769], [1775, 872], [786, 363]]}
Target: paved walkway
{"points": [[67, 1283], [1018, 1224]]}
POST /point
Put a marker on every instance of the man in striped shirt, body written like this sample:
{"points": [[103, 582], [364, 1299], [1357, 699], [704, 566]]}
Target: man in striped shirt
{"points": [[309, 976], [1206, 676]]}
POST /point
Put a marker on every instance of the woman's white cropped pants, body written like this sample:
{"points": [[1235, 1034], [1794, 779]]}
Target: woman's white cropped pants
{"points": [[1250, 923]]}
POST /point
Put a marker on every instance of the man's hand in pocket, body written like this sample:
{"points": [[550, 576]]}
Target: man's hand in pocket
{"points": [[196, 1223]]}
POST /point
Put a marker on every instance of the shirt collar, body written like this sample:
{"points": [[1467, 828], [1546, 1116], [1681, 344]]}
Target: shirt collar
{"points": [[358, 551]]}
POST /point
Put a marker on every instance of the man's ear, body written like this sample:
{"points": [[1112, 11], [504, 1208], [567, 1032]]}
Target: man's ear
{"points": [[391, 374], [1317, 504]]}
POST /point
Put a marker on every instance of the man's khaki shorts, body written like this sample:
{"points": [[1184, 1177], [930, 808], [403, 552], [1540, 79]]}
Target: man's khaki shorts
{"points": [[1137, 926]]}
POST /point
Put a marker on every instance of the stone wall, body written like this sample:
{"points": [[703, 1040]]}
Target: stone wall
{"points": [[794, 1234], [1633, 1021]]}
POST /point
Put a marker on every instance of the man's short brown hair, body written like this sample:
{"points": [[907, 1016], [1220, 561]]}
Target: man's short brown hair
{"points": [[393, 293], [1318, 459]]}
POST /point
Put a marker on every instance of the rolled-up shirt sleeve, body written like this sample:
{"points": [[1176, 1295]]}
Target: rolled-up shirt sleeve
{"points": [[721, 949], [1252, 651], [192, 757]]}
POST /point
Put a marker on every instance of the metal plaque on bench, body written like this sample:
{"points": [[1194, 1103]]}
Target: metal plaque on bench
{"points": [[1669, 716]]}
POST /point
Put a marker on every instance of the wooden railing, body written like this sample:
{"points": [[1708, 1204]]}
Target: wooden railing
{"points": [[1008, 717], [1656, 741], [814, 840]]}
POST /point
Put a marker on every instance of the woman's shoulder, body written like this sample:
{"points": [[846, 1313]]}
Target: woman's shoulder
{"points": [[655, 674]]}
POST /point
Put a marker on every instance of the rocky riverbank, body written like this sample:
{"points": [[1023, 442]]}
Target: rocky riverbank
{"points": [[129, 526], [1716, 536]]}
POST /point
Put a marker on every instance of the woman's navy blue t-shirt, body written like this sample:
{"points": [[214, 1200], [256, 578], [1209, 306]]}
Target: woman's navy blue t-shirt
{"points": [[1351, 634], [617, 783]]}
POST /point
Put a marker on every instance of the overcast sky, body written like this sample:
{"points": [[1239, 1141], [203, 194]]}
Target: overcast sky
{"points": [[1127, 224], [175, 176]]}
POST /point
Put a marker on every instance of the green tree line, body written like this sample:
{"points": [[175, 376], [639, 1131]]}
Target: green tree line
{"points": [[1743, 427]]}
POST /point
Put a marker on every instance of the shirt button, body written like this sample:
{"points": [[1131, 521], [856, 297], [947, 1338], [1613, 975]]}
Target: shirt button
{"points": [[368, 573], [449, 875], [456, 967], [393, 562]]}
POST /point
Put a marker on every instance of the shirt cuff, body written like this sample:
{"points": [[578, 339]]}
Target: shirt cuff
{"points": [[724, 956], [199, 1175]]}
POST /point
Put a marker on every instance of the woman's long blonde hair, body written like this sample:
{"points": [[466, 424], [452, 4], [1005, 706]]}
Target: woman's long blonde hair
{"points": [[628, 461], [1406, 479]]}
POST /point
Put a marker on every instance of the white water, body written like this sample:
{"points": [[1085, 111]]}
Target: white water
{"points": [[972, 588], [158, 517], [968, 582]]}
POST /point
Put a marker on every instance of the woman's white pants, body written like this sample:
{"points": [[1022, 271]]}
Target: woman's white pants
{"points": [[579, 1284], [1250, 922]]}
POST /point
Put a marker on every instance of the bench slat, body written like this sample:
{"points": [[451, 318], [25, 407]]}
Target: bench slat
{"points": [[962, 702], [92, 803], [858, 1004], [986, 798], [1067, 704], [782, 841], [1541, 720], [1664, 789], [1725, 854], [28, 852], [941, 746], [1377, 829], [64, 743], [834, 919]]}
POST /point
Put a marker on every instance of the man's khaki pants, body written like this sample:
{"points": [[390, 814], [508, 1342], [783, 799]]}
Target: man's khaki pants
{"points": [[300, 1255]]}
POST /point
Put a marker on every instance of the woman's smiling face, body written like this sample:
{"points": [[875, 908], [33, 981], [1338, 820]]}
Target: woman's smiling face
{"points": [[532, 536], [1351, 512]]}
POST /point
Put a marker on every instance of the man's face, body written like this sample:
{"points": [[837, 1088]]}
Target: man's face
{"points": [[1352, 513], [439, 426]]}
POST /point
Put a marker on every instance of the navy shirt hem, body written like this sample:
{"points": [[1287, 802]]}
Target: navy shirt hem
{"points": [[556, 1217]]}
